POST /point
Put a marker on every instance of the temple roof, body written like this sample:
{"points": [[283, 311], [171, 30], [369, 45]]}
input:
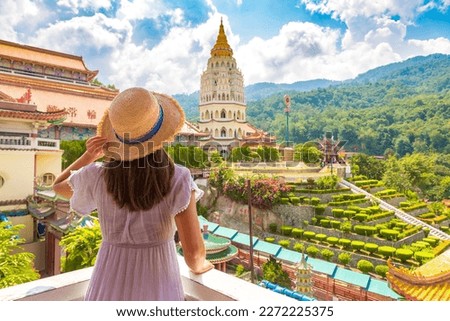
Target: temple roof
{"points": [[221, 48], [15, 110], [27, 53], [429, 282], [190, 129]]}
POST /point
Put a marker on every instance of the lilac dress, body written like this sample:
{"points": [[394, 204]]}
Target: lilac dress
{"points": [[137, 259]]}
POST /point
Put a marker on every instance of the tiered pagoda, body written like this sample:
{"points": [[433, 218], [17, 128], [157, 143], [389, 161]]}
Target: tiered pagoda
{"points": [[303, 277], [222, 103]]}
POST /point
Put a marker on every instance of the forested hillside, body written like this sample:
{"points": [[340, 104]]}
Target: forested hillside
{"points": [[404, 109]]}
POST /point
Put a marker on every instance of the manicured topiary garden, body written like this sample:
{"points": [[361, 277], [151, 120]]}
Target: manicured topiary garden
{"points": [[350, 229]]}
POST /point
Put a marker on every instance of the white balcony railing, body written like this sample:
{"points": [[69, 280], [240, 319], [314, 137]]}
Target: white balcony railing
{"points": [[210, 286], [22, 142]]}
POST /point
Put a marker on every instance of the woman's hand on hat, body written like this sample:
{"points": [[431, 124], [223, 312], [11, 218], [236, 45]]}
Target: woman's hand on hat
{"points": [[94, 147]]}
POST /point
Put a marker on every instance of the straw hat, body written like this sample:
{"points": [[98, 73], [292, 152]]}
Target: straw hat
{"points": [[138, 122]]}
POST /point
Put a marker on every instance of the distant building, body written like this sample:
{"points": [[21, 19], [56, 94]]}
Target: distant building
{"points": [[54, 81], [222, 103]]}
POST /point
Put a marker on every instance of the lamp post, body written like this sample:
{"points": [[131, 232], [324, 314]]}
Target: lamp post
{"points": [[250, 228], [287, 110]]}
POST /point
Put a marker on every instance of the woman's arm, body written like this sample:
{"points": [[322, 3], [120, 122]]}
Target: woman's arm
{"points": [[93, 152], [191, 239]]}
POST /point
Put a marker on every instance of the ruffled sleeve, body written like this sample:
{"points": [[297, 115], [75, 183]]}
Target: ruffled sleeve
{"points": [[182, 187], [83, 182]]}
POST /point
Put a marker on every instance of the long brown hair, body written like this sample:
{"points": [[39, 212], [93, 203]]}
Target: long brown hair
{"points": [[141, 183]]}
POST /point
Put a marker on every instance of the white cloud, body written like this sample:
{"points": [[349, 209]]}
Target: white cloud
{"points": [[76, 5], [140, 9], [84, 33], [279, 58], [345, 10], [15, 13]]}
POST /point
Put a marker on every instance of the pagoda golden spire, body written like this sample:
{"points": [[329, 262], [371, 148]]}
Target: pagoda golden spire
{"points": [[221, 48]]}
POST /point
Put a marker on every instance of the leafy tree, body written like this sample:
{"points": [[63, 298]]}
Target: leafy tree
{"points": [[327, 254], [15, 267], [189, 156], [344, 258], [368, 166], [72, 150], [268, 154], [215, 158], [273, 272], [307, 153], [81, 246], [240, 154], [365, 266]]}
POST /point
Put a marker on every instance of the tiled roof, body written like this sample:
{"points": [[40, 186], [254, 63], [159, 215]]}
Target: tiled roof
{"points": [[32, 115], [40, 55]]}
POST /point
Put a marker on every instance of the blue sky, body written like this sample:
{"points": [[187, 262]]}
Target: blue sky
{"points": [[164, 45]]}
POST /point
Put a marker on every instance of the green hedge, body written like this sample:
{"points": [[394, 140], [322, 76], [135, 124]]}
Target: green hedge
{"points": [[433, 242], [294, 200], [320, 237], [344, 258], [269, 239], [273, 227], [357, 245], [345, 243], [327, 254], [335, 224], [404, 254], [423, 257], [337, 212], [381, 270], [365, 266], [319, 209], [361, 217], [284, 200], [369, 182], [325, 223], [315, 201], [332, 240], [414, 207], [297, 232], [371, 247], [286, 230], [322, 191], [365, 230], [385, 192], [349, 214], [312, 251], [284, 243], [308, 235], [386, 251], [389, 234], [299, 247]]}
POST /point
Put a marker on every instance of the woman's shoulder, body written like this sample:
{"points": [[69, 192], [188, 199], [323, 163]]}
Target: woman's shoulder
{"points": [[181, 171]]}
